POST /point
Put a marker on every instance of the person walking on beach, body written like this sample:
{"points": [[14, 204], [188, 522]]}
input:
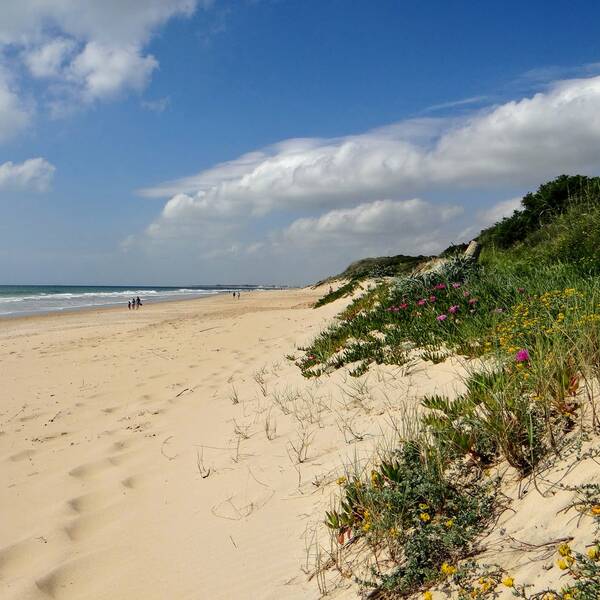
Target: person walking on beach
{"points": [[129, 304], [138, 302]]}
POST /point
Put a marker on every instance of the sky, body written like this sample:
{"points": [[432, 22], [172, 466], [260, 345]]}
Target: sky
{"points": [[181, 142]]}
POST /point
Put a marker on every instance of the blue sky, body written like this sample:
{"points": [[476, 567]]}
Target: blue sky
{"points": [[339, 129]]}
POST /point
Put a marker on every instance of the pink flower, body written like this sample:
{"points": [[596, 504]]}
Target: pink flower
{"points": [[472, 301], [432, 298], [440, 286], [522, 355], [442, 317], [403, 306], [311, 357], [422, 302], [456, 285], [453, 309], [466, 294]]}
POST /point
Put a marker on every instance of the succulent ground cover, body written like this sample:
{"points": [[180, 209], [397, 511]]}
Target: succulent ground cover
{"points": [[531, 331]]}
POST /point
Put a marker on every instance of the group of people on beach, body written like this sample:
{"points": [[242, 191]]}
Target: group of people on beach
{"points": [[134, 303], [236, 293]]}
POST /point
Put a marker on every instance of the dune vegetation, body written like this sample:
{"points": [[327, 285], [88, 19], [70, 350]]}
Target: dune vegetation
{"points": [[525, 318]]}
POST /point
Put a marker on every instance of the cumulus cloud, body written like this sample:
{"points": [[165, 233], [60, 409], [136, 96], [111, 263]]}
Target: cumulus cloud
{"points": [[93, 48], [522, 142], [104, 71], [348, 194], [33, 174], [48, 60], [384, 226]]}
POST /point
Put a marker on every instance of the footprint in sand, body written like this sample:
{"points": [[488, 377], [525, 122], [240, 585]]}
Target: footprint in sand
{"points": [[95, 468], [88, 524], [23, 455]]}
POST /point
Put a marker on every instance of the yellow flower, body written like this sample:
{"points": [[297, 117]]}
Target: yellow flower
{"points": [[596, 510], [427, 596], [447, 569], [508, 582], [449, 523], [549, 596], [593, 553], [393, 532], [425, 517], [562, 564], [366, 526], [341, 480], [564, 549], [567, 596], [423, 506]]}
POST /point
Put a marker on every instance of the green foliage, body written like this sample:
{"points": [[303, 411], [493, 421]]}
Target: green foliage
{"points": [[530, 312], [542, 207], [382, 266], [425, 516], [344, 290]]}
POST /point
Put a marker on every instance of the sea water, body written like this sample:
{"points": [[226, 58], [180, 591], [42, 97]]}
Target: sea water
{"points": [[21, 300]]}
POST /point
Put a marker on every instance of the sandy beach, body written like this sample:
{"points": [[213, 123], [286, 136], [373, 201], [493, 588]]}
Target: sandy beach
{"points": [[175, 452]]}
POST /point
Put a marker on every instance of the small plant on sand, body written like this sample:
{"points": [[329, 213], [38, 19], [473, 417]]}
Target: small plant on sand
{"points": [[344, 290], [424, 517]]}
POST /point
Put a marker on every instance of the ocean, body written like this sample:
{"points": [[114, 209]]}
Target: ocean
{"points": [[21, 300]]}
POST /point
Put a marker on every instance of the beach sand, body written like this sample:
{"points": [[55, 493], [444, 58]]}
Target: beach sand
{"points": [[175, 452], [135, 457]]}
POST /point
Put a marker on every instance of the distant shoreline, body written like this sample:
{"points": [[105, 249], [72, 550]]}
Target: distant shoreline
{"points": [[28, 301], [121, 305]]}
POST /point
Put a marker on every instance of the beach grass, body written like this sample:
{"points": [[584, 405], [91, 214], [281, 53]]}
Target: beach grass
{"points": [[526, 319]]}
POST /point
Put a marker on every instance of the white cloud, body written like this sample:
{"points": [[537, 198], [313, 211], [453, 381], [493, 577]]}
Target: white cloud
{"points": [[117, 22], [104, 71], [411, 226], [522, 142], [93, 48], [33, 174], [48, 60], [326, 194], [498, 211], [14, 115]]}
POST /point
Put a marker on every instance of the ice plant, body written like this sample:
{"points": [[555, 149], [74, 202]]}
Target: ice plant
{"points": [[440, 286], [432, 298], [442, 317], [422, 302], [456, 285], [453, 309], [522, 355]]}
